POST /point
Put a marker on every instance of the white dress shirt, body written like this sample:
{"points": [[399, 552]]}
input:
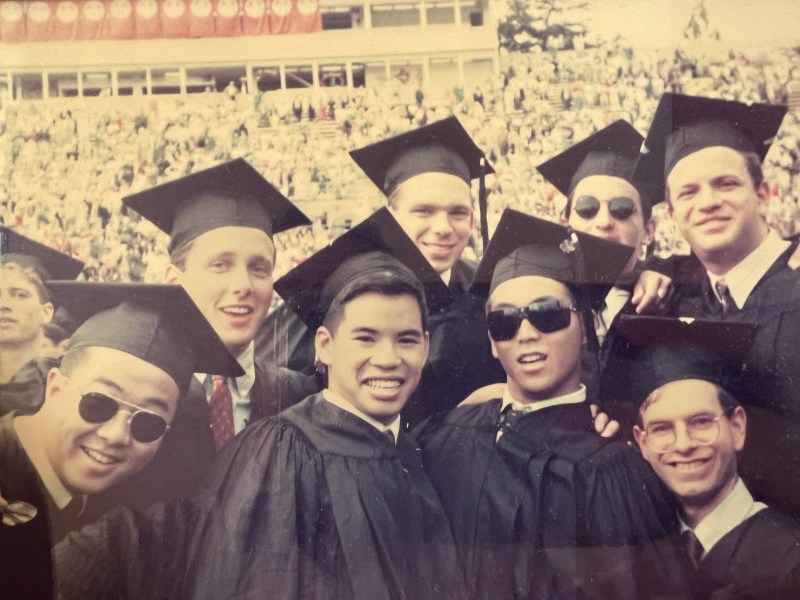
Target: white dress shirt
{"points": [[743, 278], [735, 509], [240, 388]]}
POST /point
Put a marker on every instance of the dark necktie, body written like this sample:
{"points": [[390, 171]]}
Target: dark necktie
{"points": [[389, 435], [693, 546], [221, 412], [726, 300]]}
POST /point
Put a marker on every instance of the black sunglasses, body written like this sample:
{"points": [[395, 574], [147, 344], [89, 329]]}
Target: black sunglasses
{"points": [[621, 207], [546, 315], [146, 427]]}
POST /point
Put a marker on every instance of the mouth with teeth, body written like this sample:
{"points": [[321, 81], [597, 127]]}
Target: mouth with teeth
{"points": [[382, 386], [529, 359], [100, 457], [438, 249], [690, 466]]}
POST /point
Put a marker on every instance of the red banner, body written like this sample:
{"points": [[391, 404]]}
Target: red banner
{"points": [[147, 19]]}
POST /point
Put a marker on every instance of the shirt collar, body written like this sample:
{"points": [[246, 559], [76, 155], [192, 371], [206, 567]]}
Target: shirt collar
{"points": [[575, 397], [446, 276], [244, 383], [736, 508], [337, 400], [743, 278]]}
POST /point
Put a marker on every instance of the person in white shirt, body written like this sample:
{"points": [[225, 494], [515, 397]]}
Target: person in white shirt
{"points": [[708, 155], [691, 429]]}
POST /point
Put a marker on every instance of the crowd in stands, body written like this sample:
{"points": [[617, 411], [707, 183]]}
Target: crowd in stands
{"points": [[66, 167]]}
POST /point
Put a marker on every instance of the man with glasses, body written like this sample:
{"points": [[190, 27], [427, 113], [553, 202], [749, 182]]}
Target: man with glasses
{"points": [[691, 429], [707, 155], [540, 505], [106, 410]]}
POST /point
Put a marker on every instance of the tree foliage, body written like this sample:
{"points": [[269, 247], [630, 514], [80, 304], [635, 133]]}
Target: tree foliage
{"points": [[542, 24]]}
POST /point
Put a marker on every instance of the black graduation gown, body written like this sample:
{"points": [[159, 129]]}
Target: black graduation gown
{"points": [[25, 566], [757, 560], [551, 510], [187, 452], [24, 392], [459, 360], [313, 504], [770, 461]]}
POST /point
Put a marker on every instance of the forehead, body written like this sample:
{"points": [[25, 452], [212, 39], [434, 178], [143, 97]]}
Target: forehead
{"points": [[605, 187], [433, 188], [521, 291], [14, 275], [681, 399], [709, 162], [235, 240], [382, 311]]}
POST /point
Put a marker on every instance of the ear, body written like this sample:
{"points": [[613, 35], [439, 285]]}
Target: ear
{"points": [[763, 197], [638, 435], [494, 348], [322, 345], [426, 344], [649, 232], [172, 274], [54, 384], [471, 219], [738, 423], [47, 310]]}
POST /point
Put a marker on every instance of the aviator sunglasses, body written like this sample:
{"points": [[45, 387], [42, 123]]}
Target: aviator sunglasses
{"points": [[621, 207], [96, 408], [546, 315]]}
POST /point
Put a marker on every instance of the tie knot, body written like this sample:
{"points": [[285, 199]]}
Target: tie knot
{"points": [[389, 434], [724, 294], [219, 380], [693, 546]]}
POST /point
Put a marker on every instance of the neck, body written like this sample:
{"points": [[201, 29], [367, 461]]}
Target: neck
{"points": [[524, 396], [697, 509], [721, 261], [13, 358]]}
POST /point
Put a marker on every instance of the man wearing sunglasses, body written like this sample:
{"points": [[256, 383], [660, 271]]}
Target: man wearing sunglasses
{"points": [[707, 155], [106, 410], [691, 429], [540, 505]]}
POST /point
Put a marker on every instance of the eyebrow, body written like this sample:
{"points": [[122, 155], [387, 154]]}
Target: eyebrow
{"points": [[414, 332], [158, 402]]}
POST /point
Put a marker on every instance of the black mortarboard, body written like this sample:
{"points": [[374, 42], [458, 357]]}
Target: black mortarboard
{"points": [[525, 245], [441, 147], [670, 349], [309, 288], [157, 323], [45, 261], [612, 151], [683, 125], [230, 194]]}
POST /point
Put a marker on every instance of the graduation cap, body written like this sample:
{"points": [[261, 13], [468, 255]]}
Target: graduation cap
{"points": [[230, 194], [441, 147], [524, 245], [670, 349], [309, 288], [45, 261], [157, 323], [683, 125], [612, 151]]}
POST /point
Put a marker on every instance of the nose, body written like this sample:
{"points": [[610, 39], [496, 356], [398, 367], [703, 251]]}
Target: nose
{"points": [[603, 219], [706, 199], [117, 431], [527, 331], [385, 355], [683, 443], [240, 280], [440, 223]]}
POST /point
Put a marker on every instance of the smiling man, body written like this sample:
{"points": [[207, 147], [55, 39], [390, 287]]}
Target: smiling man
{"points": [[540, 505], [708, 155], [106, 410], [327, 500], [220, 222], [25, 310], [691, 430]]}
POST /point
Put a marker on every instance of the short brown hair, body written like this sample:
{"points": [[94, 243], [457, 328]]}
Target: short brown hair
{"points": [[33, 278]]}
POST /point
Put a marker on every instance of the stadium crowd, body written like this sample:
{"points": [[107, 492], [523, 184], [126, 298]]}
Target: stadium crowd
{"points": [[67, 168]]}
